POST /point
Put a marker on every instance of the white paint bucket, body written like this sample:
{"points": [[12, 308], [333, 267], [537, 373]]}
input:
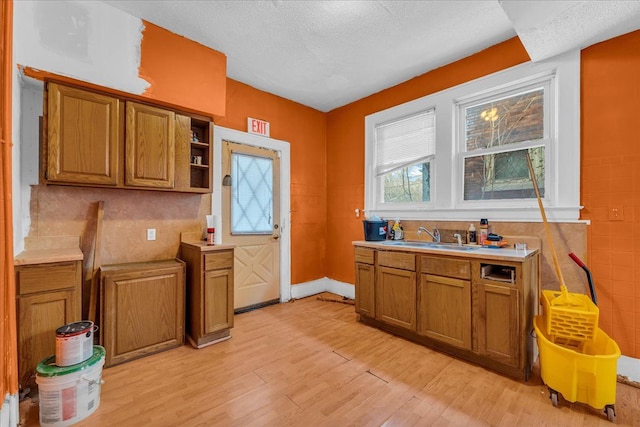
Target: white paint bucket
{"points": [[74, 343], [69, 394]]}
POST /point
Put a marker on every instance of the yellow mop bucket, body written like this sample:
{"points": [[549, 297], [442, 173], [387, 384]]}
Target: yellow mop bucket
{"points": [[587, 374]]}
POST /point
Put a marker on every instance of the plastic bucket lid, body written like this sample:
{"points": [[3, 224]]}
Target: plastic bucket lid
{"points": [[47, 368], [77, 328]]}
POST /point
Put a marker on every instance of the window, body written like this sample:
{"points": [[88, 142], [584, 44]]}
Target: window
{"points": [[499, 132], [251, 197], [471, 158], [404, 149]]}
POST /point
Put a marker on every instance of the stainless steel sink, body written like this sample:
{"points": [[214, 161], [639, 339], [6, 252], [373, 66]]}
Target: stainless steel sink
{"points": [[406, 243], [429, 245]]}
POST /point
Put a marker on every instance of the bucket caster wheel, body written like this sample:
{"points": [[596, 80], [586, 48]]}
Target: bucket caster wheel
{"points": [[553, 395], [610, 410]]}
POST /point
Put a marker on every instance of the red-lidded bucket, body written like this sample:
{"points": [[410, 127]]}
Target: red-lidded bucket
{"points": [[74, 342]]}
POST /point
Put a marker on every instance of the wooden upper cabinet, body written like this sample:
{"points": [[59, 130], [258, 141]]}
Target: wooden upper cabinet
{"points": [[82, 137], [102, 140], [150, 146]]}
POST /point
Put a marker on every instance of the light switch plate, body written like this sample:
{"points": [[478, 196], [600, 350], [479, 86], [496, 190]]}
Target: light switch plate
{"points": [[151, 234]]}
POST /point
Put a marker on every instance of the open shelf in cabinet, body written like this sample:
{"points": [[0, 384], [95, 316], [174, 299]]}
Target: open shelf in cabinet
{"points": [[498, 273], [200, 154]]}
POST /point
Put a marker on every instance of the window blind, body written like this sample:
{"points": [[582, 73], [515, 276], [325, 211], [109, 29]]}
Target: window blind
{"points": [[405, 142]]}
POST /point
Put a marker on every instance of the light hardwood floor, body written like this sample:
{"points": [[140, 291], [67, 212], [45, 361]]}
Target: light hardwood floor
{"points": [[310, 363]]}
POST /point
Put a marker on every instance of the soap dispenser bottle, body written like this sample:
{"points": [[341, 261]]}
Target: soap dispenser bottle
{"points": [[471, 235], [397, 231]]}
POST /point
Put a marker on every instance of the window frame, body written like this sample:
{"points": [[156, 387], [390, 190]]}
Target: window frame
{"points": [[562, 176], [546, 81], [420, 160]]}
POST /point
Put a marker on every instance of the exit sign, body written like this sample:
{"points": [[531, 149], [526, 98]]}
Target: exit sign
{"points": [[259, 127]]}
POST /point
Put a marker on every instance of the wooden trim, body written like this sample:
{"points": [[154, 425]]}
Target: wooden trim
{"points": [[8, 327]]}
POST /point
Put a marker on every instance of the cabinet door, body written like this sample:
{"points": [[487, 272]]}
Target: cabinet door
{"points": [[444, 310], [143, 313], [150, 147], [218, 301], [396, 297], [496, 322], [82, 137], [39, 315], [365, 292]]}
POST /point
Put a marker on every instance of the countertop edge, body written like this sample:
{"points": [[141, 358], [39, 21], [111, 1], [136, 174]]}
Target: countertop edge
{"points": [[485, 253], [48, 256], [203, 247]]}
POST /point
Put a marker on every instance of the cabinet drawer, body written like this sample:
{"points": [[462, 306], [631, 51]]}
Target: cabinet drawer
{"points": [[400, 260], [364, 255], [46, 277], [218, 260], [449, 267]]}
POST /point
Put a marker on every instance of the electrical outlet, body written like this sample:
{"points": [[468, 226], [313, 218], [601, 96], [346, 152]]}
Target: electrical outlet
{"points": [[616, 213], [151, 234]]}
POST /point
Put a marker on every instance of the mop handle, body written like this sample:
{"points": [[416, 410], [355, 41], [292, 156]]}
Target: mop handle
{"points": [[592, 288], [556, 263], [577, 260]]}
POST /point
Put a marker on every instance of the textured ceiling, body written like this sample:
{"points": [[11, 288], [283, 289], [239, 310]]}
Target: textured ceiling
{"points": [[547, 29], [325, 54]]}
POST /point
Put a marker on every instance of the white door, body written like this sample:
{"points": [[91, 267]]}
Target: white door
{"points": [[250, 221]]}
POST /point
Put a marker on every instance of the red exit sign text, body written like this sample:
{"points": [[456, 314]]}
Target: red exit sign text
{"points": [[259, 127]]}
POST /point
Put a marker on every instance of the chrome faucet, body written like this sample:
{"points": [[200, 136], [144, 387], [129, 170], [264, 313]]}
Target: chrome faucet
{"points": [[435, 235], [459, 237]]}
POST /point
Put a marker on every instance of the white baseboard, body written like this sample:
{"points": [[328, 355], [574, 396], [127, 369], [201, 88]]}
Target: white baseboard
{"points": [[630, 368], [9, 412], [325, 284]]}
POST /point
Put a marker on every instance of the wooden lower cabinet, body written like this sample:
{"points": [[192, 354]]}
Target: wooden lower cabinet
{"points": [[48, 296], [216, 298], [444, 311], [396, 297], [209, 292], [141, 308], [396, 289], [365, 281], [497, 323], [475, 308]]}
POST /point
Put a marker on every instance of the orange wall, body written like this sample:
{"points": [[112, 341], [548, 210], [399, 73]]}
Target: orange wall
{"points": [[304, 128], [182, 72], [610, 177], [189, 76], [345, 144]]}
